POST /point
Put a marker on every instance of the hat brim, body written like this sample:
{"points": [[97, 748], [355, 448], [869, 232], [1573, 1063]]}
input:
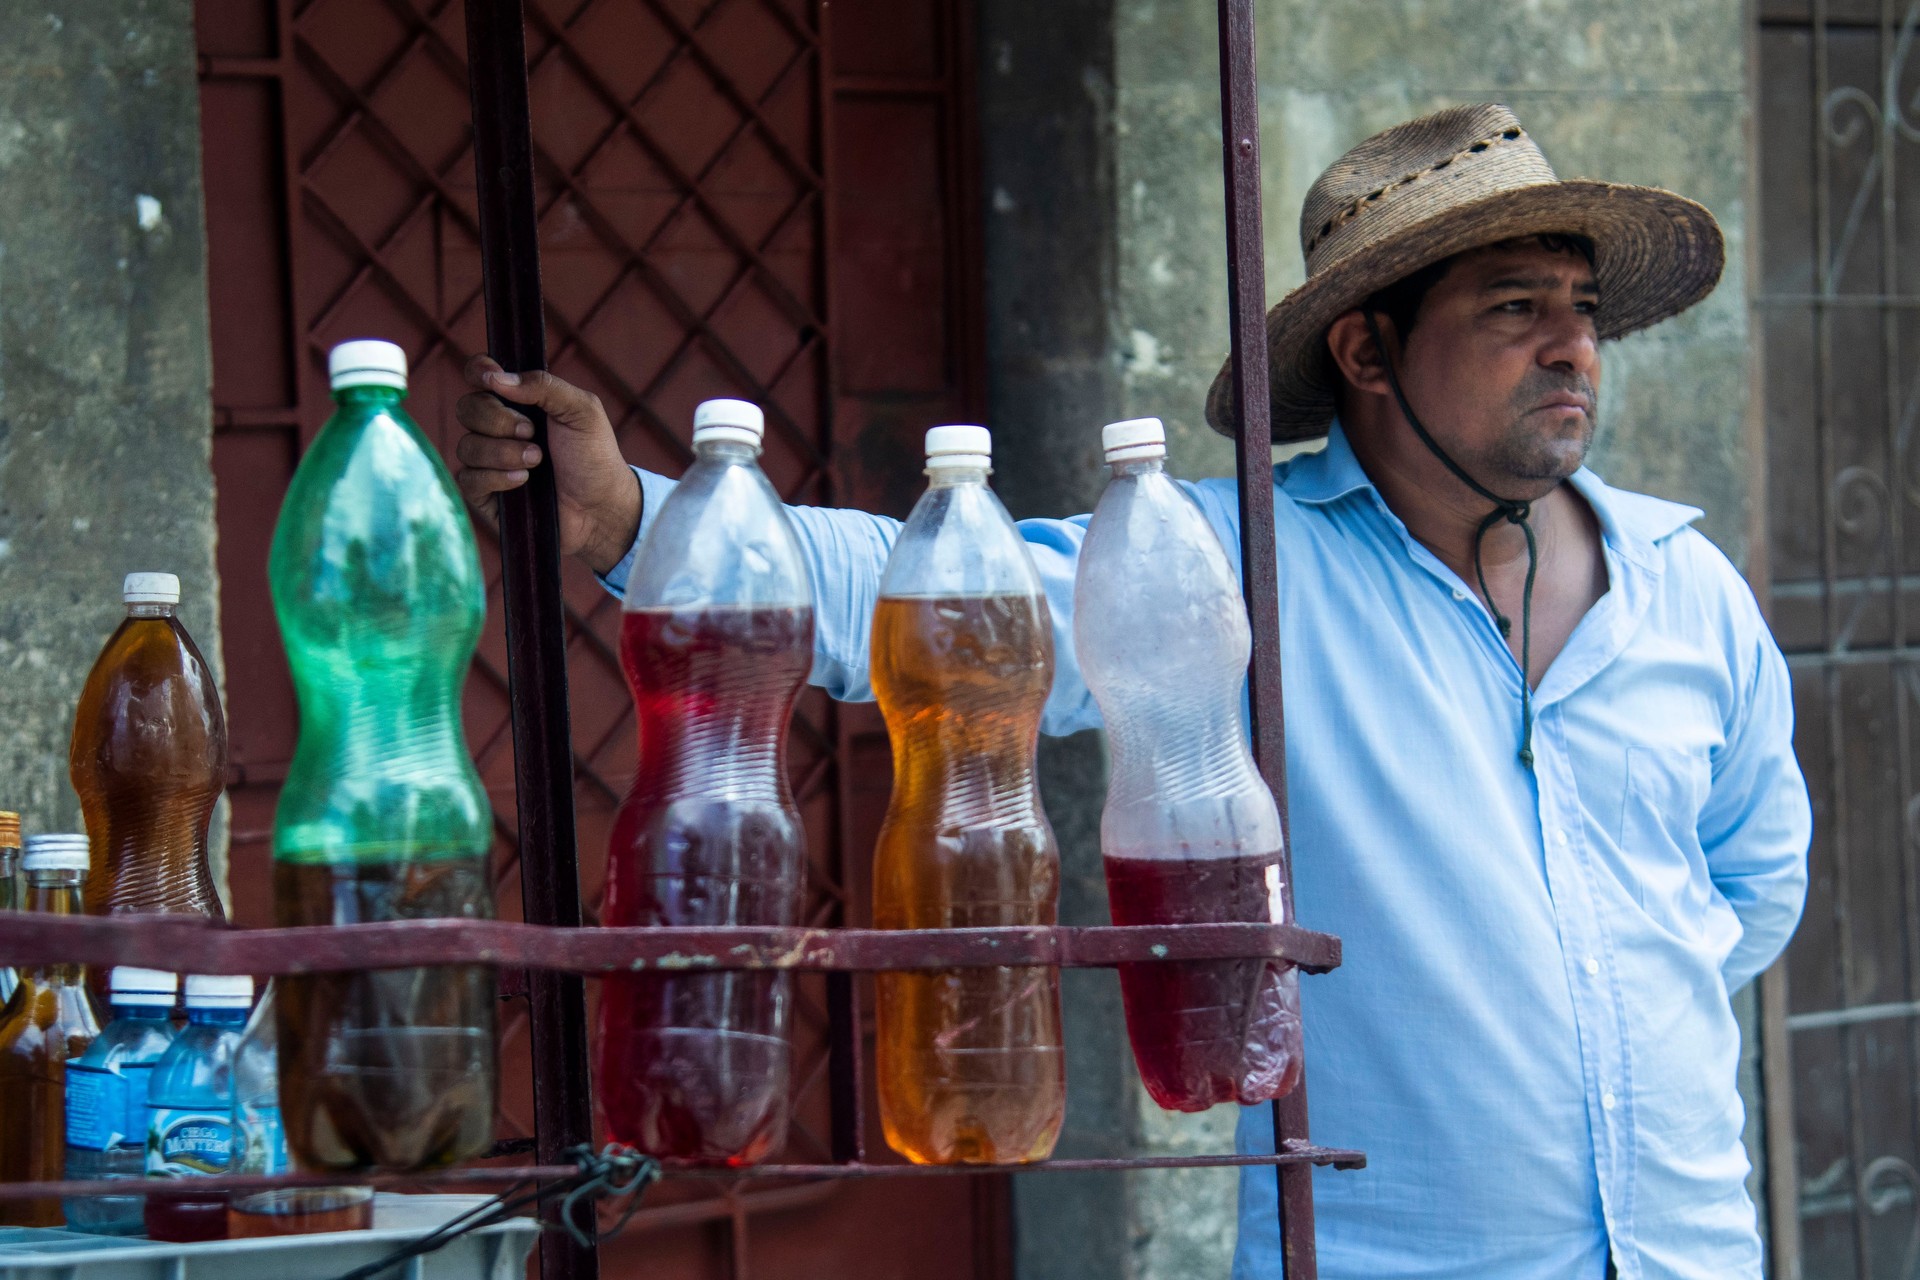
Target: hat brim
{"points": [[1655, 255]]}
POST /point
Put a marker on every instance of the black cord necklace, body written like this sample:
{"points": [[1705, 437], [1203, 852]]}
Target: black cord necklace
{"points": [[1510, 510]]}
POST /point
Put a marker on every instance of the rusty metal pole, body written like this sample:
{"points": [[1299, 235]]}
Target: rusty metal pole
{"points": [[1247, 303], [530, 590]]}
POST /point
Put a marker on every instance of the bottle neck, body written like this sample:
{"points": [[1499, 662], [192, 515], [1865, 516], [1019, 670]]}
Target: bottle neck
{"points": [[151, 609], [1138, 467], [731, 452], [949, 476], [125, 1012], [221, 1017], [55, 893], [367, 394]]}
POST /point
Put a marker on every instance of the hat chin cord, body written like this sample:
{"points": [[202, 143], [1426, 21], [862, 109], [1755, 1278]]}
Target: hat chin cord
{"points": [[1511, 510]]}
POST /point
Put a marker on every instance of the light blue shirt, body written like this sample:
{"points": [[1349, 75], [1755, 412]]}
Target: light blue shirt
{"points": [[1531, 1036]]}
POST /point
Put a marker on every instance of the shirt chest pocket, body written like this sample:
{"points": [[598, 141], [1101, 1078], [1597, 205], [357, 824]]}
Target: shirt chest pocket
{"points": [[1665, 790]]}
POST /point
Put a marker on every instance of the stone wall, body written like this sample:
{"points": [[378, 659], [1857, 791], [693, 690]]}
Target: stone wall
{"points": [[1105, 224], [105, 360]]}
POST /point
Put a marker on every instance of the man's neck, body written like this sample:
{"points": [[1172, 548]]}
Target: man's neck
{"points": [[1443, 514]]}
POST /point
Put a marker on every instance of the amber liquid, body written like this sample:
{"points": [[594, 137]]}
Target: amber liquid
{"points": [[389, 1069], [1211, 1031], [149, 759], [301, 1212], [47, 1021], [697, 1066], [185, 1219], [970, 1063]]}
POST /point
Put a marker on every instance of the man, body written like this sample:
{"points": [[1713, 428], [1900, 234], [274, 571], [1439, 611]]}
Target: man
{"points": [[1540, 741]]}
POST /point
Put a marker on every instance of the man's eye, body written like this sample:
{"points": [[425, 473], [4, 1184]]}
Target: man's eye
{"points": [[1587, 308], [1516, 306]]}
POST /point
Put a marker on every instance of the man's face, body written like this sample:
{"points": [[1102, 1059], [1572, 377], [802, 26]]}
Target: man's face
{"points": [[1503, 363]]}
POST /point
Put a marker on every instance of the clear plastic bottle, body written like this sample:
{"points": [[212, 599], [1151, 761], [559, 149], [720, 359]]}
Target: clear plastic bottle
{"points": [[970, 1063], [260, 1140], [190, 1110], [149, 760], [107, 1098], [48, 1021], [378, 590], [716, 640], [1190, 833], [9, 888]]}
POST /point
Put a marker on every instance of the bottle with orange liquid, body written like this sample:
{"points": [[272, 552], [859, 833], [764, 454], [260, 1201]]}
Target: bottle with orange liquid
{"points": [[48, 1020], [716, 640], [970, 1062], [149, 760]]}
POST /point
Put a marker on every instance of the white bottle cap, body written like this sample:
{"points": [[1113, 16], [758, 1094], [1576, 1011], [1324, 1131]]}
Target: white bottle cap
{"points": [[740, 421], [1134, 438], [57, 852], [959, 446], [367, 362], [151, 588], [143, 986], [219, 991]]}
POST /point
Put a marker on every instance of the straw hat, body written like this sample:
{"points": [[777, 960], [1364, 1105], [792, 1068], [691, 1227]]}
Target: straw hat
{"points": [[1456, 180]]}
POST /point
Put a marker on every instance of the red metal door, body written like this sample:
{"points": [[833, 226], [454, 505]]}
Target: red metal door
{"points": [[764, 198]]}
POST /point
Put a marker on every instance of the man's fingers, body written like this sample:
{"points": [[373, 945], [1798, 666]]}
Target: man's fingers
{"points": [[480, 412], [478, 485], [478, 367], [565, 403], [489, 454]]}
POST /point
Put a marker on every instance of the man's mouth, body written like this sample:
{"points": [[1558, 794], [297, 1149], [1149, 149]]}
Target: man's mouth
{"points": [[1567, 400]]}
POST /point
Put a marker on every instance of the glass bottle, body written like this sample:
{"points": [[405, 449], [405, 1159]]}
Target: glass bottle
{"points": [[48, 1021]]}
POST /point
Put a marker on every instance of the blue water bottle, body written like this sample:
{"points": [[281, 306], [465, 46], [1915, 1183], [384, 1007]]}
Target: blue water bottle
{"points": [[190, 1110], [107, 1099]]}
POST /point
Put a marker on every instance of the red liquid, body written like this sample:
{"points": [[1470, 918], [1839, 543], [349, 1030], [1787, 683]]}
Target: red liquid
{"points": [[696, 1067], [1208, 1031], [185, 1219]]}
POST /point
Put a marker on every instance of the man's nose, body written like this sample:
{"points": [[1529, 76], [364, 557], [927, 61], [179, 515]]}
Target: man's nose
{"points": [[1571, 343]]}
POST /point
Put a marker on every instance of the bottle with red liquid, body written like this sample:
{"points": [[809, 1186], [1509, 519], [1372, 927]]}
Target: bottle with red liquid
{"points": [[1190, 833], [716, 640]]}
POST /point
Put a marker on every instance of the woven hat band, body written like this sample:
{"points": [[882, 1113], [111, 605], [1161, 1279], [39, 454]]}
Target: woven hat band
{"points": [[1507, 160]]}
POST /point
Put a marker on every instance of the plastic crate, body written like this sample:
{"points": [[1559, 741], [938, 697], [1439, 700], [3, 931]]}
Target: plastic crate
{"points": [[492, 1253]]}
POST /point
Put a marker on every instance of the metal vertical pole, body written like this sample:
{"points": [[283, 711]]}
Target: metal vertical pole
{"points": [[530, 589], [1247, 306]]}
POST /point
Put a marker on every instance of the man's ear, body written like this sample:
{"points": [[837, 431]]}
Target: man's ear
{"points": [[1355, 354]]}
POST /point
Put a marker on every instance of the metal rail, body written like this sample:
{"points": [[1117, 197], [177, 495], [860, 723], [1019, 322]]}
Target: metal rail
{"points": [[189, 944]]}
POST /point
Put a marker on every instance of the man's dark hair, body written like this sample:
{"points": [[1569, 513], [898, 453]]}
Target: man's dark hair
{"points": [[1400, 301]]}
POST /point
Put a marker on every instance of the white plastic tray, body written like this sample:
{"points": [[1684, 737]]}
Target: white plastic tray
{"points": [[492, 1253]]}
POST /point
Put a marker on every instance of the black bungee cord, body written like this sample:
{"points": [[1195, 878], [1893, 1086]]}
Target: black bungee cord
{"points": [[1511, 510]]}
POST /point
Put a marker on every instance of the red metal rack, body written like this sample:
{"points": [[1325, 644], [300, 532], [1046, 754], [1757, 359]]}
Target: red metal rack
{"points": [[553, 948]]}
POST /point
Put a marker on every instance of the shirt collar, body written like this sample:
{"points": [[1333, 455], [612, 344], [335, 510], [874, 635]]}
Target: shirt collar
{"points": [[1632, 523]]}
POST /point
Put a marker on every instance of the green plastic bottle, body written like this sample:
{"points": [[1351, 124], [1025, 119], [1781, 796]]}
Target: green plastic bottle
{"points": [[378, 589]]}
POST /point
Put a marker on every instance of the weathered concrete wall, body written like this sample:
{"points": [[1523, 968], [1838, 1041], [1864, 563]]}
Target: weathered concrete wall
{"points": [[105, 359], [1105, 226], [1623, 90]]}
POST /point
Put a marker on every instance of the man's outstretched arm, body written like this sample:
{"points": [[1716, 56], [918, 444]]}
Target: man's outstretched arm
{"points": [[606, 507]]}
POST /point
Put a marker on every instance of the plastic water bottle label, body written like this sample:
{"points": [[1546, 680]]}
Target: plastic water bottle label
{"points": [[263, 1141], [183, 1142], [135, 1077], [97, 1108]]}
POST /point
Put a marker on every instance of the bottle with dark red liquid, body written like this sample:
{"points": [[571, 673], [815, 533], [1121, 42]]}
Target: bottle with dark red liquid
{"points": [[716, 640], [1190, 833]]}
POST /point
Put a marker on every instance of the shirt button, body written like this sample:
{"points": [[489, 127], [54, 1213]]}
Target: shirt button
{"points": [[1560, 838], [1606, 1101], [1459, 595], [1593, 967]]}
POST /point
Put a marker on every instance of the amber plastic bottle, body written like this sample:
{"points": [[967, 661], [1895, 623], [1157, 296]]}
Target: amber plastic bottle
{"points": [[970, 1062], [149, 760], [48, 1021]]}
